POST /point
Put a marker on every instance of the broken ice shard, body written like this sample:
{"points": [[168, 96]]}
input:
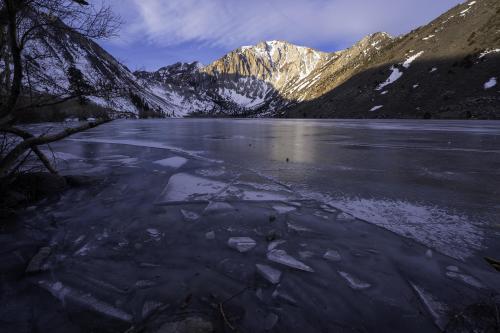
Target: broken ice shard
{"points": [[275, 244], [154, 233], [332, 255], [270, 274], [353, 282], [281, 257], [242, 244]]}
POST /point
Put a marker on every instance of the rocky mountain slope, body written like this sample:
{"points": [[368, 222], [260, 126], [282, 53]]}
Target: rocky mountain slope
{"points": [[446, 69], [56, 53]]}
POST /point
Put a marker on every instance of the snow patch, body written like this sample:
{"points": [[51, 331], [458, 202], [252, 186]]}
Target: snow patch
{"points": [[375, 108], [491, 83], [395, 75], [411, 59]]}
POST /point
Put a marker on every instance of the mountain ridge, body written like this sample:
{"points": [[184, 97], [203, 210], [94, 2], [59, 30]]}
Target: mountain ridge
{"points": [[420, 74]]}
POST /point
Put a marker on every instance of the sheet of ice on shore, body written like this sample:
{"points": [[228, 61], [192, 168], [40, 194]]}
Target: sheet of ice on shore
{"points": [[149, 144], [283, 209], [454, 273], [263, 196], [448, 233], [354, 282], [65, 294], [281, 257], [59, 155], [172, 162], [242, 244], [218, 207], [186, 187], [436, 309], [270, 274]]}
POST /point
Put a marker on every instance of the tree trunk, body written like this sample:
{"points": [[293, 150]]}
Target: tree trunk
{"points": [[15, 90], [32, 142]]}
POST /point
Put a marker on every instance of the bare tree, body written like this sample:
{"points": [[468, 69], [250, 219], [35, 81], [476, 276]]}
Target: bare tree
{"points": [[25, 24]]}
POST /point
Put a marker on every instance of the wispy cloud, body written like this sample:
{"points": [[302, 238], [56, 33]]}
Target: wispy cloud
{"points": [[232, 23]]}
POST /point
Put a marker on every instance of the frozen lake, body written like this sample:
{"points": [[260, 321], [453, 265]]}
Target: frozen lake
{"points": [[291, 225]]}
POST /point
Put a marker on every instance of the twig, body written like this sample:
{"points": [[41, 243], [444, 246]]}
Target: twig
{"points": [[228, 323]]}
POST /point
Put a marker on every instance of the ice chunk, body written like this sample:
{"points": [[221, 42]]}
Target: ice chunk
{"points": [[210, 235], [242, 244], [281, 257], [296, 227], [218, 207], [328, 209], [79, 239], [332, 255], [375, 108], [353, 282], [270, 321], [189, 216], [283, 209], [65, 293], [149, 307], [172, 162], [154, 233], [270, 274], [84, 250], [186, 187], [275, 244], [467, 279], [452, 268], [436, 309], [145, 284], [36, 263], [277, 294]]}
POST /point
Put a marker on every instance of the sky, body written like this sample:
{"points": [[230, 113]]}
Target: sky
{"points": [[157, 33]]}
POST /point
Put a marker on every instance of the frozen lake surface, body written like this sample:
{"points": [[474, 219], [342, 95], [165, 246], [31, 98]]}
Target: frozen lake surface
{"points": [[290, 225]]}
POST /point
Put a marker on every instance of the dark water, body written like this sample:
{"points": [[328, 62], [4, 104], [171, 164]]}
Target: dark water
{"points": [[407, 210]]}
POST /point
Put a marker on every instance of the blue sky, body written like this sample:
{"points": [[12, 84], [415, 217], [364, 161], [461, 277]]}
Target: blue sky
{"points": [[156, 33]]}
